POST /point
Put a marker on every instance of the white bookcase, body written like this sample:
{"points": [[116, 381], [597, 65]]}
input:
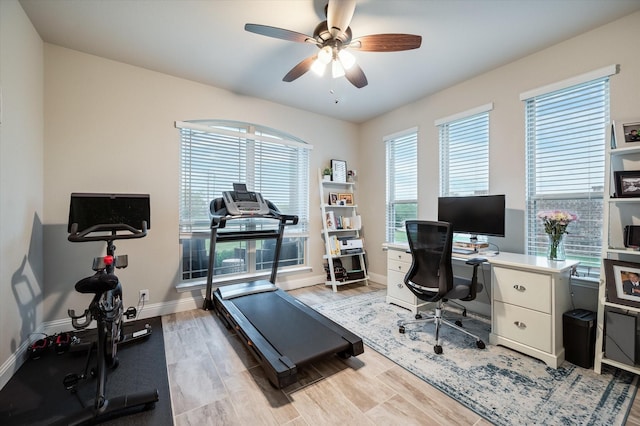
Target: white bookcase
{"points": [[341, 232], [618, 212]]}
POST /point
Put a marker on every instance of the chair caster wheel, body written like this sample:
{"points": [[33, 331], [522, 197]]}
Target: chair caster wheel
{"points": [[437, 349], [480, 344], [401, 329], [459, 323], [418, 316]]}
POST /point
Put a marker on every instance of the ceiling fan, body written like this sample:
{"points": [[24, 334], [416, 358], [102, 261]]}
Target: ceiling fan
{"points": [[333, 37]]}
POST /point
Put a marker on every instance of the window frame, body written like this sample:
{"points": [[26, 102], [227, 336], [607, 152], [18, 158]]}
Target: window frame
{"points": [[453, 147], [260, 155], [405, 195], [591, 140]]}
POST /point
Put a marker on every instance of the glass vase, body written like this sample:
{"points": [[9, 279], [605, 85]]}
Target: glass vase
{"points": [[555, 247]]}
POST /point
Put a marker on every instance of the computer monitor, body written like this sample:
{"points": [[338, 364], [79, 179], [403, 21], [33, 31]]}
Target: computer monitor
{"points": [[475, 215], [108, 209]]}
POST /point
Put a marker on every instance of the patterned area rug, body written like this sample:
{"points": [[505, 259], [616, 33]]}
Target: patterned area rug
{"points": [[502, 385]]}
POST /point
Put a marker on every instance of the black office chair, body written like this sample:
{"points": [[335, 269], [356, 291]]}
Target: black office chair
{"points": [[431, 277]]}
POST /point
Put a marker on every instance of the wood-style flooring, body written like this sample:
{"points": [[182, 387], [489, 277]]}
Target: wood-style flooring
{"points": [[214, 380]]}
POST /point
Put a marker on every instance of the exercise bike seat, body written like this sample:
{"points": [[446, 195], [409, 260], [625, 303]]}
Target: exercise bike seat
{"points": [[97, 284]]}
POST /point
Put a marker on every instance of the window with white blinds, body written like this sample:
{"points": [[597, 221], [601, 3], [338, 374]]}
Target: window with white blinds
{"points": [[464, 154], [216, 154], [565, 167], [402, 183]]}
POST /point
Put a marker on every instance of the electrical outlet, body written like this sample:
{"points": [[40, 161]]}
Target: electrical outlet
{"points": [[144, 295]]}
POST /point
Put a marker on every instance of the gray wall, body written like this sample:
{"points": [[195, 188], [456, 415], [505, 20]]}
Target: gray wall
{"points": [[21, 169]]}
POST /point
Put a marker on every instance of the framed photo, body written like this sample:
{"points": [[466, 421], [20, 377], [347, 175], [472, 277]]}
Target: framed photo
{"points": [[331, 221], [333, 198], [339, 169], [623, 282], [628, 132], [346, 198], [627, 183]]}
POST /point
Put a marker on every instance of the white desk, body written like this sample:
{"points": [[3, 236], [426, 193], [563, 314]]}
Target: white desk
{"points": [[529, 294]]}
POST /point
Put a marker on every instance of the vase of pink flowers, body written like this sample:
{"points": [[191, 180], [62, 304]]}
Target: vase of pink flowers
{"points": [[555, 226]]}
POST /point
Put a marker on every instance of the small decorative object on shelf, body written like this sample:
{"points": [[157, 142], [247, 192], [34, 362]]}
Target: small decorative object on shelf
{"points": [[326, 174], [555, 225]]}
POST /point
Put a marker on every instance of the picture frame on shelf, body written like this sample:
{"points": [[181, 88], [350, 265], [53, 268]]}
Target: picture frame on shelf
{"points": [[620, 278], [628, 133], [347, 198], [333, 198], [339, 169], [627, 183], [330, 219]]}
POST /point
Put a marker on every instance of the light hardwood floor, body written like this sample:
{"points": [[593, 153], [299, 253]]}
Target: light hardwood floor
{"points": [[214, 380]]}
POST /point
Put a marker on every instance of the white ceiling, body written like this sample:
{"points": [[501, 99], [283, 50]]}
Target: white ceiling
{"points": [[205, 41]]}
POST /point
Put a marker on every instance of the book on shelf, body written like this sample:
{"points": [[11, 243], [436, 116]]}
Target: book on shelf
{"points": [[348, 222]]}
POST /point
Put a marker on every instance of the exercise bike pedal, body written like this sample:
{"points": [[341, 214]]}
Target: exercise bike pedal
{"points": [[131, 312], [71, 380]]}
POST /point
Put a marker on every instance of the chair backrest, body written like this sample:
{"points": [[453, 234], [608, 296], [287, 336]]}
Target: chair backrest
{"points": [[431, 275]]}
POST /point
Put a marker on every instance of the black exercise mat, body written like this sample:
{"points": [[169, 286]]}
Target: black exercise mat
{"points": [[35, 395]]}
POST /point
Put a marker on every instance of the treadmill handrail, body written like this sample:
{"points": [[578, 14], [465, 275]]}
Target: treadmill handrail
{"points": [[220, 221]]}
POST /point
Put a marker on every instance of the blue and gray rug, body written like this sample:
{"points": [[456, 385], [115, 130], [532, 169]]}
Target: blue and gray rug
{"points": [[503, 386]]}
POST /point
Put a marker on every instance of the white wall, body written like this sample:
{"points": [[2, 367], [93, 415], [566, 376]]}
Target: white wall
{"points": [[110, 128], [21, 159], [615, 43]]}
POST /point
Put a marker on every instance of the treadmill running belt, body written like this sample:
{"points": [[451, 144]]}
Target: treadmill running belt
{"points": [[289, 328]]}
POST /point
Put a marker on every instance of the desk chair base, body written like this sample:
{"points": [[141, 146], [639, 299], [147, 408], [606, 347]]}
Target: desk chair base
{"points": [[438, 320]]}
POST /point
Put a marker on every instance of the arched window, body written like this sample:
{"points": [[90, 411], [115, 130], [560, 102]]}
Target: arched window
{"points": [[214, 155]]}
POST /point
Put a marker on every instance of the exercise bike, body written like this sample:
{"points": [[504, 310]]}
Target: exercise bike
{"points": [[106, 308]]}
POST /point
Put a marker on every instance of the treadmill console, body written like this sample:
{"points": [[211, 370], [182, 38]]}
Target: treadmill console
{"points": [[240, 201]]}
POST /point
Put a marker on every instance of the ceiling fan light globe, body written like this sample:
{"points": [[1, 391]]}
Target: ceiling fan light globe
{"points": [[347, 59], [318, 67], [325, 54], [337, 69]]}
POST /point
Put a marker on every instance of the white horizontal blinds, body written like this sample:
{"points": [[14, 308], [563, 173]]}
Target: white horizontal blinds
{"points": [[280, 174], [210, 164], [566, 166], [402, 183], [214, 155], [464, 155]]}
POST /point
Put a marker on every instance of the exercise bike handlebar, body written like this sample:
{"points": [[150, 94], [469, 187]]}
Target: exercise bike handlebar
{"points": [[85, 235]]}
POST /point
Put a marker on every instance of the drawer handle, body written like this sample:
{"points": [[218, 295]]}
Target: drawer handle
{"points": [[520, 325], [520, 287], [400, 285]]}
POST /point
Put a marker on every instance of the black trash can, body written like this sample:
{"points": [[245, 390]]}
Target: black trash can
{"points": [[579, 337]]}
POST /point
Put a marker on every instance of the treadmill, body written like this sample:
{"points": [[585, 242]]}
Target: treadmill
{"points": [[281, 332]]}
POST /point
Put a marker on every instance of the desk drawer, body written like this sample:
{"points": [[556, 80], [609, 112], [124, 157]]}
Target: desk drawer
{"points": [[398, 266], [397, 289], [522, 325], [399, 255], [522, 288]]}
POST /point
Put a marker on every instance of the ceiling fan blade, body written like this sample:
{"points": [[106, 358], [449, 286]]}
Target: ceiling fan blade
{"points": [[280, 33], [339, 15], [386, 42], [300, 69], [356, 76]]}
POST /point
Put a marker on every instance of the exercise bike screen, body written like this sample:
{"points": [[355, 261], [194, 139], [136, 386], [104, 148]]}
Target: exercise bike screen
{"points": [[109, 209]]}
